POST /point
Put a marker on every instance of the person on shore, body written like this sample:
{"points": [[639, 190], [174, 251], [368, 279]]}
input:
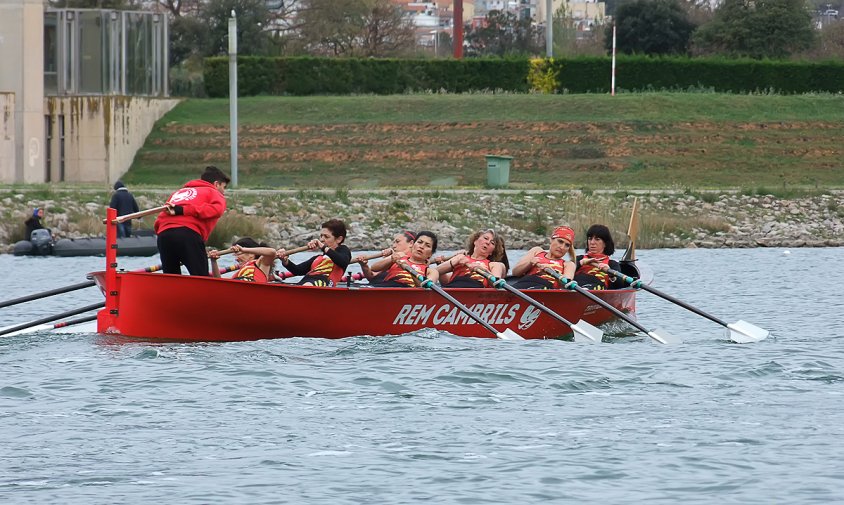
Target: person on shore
{"points": [[191, 214], [531, 268], [325, 269], [125, 203], [378, 270], [33, 222], [255, 261], [484, 250], [591, 268], [417, 258]]}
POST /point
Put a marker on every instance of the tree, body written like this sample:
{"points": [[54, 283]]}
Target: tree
{"points": [[651, 27], [355, 28], [757, 29], [252, 17], [504, 34]]}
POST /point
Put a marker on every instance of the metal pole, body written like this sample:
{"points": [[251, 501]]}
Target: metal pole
{"points": [[233, 95], [549, 29], [612, 84]]}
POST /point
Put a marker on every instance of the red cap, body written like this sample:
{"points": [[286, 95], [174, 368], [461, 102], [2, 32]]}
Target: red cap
{"points": [[565, 233]]}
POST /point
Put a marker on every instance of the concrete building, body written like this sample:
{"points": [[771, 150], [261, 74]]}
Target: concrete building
{"points": [[80, 89]]}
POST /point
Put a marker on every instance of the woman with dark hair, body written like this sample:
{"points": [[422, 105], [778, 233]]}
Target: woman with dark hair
{"points": [[531, 268], [378, 270], [255, 261], [417, 258], [484, 250], [325, 269], [592, 267]]}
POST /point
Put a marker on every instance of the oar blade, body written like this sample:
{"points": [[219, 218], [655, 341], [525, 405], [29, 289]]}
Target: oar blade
{"points": [[585, 332], [663, 337], [509, 334], [743, 332]]}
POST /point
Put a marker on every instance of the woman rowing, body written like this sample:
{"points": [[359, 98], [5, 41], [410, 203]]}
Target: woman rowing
{"points": [[531, 268], [255, 261], [592, 267], [417, 258], [324, 269], [485, 250], [377, 271]]}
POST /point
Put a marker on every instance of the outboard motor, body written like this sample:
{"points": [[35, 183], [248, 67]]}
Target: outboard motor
{"points": [[42, 242]]}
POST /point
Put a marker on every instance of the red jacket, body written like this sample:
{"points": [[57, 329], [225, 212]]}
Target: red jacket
{"points": [[202, 206]]}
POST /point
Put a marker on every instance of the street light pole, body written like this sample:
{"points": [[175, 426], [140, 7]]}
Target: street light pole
{"points": [[233, 96]]}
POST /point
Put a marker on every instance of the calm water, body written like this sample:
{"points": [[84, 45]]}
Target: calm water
{"points": [[431, 417]]}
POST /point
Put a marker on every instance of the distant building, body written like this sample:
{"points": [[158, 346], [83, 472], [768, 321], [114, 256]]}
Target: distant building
{"points": [[80, 89]]}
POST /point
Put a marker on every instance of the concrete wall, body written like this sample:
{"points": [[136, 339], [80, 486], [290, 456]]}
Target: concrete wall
{"points": [[7, 137], [21, 73], [102, 133]]}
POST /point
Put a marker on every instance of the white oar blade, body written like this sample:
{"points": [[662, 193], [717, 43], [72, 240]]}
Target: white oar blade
{"points": [[663, 337], [584, 332], [743, 332], [509, 334]]}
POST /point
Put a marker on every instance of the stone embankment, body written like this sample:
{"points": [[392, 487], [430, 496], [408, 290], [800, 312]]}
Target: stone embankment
{"points": [[288, 218]]}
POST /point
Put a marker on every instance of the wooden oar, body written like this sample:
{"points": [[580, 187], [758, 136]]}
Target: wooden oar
{"points": [[62, 324], [582, 328], [632, 233], [49, 319], [137, 215], [741, 331], [507, 334], [659, 335]]}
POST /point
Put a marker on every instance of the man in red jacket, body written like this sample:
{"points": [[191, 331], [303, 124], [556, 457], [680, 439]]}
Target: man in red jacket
{"points": [[184, 227]]}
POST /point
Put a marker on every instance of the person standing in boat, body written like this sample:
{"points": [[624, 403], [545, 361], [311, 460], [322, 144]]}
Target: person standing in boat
{"points": [[531, 268], [417, 258], [377, 271], [33, 222], [125, 203], [592, 267], [486, 251], [325, 269], [191, 214], [255, 261]]}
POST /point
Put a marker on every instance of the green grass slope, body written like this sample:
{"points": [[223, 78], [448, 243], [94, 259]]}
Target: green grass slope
{"points": [[652, 140]]}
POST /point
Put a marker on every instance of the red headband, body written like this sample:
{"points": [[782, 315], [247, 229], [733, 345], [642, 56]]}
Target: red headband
{"points": [[565, 233]]}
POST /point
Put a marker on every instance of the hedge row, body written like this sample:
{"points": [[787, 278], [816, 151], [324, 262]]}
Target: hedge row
{"points": [[343, 76]]}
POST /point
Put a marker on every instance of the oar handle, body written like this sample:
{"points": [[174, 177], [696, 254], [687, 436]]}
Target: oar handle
{"points": [[372, 256], [446, 258], [136, 215], [296, 250]]}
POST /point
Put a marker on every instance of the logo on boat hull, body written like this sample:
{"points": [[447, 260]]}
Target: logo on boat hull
{"points": [[529, 317], [447, 314]]}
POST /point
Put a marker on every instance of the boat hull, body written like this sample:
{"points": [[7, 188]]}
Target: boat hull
{"points": [[185, 308]]}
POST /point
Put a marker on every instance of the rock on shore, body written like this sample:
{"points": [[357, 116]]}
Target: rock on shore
{"points": [[288, 218]]}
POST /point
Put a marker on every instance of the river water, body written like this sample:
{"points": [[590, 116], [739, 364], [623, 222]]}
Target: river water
{"points": [[432, 417]]}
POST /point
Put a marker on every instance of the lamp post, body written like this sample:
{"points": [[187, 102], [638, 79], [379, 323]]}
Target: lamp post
{"points": [[233, 95]]}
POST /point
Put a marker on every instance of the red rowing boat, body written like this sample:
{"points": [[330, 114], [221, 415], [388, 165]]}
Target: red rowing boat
{"points": [[186, 308]]}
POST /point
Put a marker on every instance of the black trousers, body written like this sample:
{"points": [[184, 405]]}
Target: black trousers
{"points": [[182, 246]]}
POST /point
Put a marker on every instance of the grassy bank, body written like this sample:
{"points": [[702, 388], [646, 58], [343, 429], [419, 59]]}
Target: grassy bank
{"points": [[644, 141]]}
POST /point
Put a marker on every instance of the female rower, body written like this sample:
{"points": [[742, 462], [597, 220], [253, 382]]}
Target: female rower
{"points": [[591, 268], [484, 250], [378, 270], [255, 261], [325, 269], [533, 264], [417, 258]]}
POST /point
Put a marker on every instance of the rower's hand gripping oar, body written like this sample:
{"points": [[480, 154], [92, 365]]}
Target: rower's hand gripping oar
{"points": [[659, 335], [740, 331], [507, 334], [580, 329]]}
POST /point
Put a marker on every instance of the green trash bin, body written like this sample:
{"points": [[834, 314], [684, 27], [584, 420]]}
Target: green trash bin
{"points": [[497, 170]]}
